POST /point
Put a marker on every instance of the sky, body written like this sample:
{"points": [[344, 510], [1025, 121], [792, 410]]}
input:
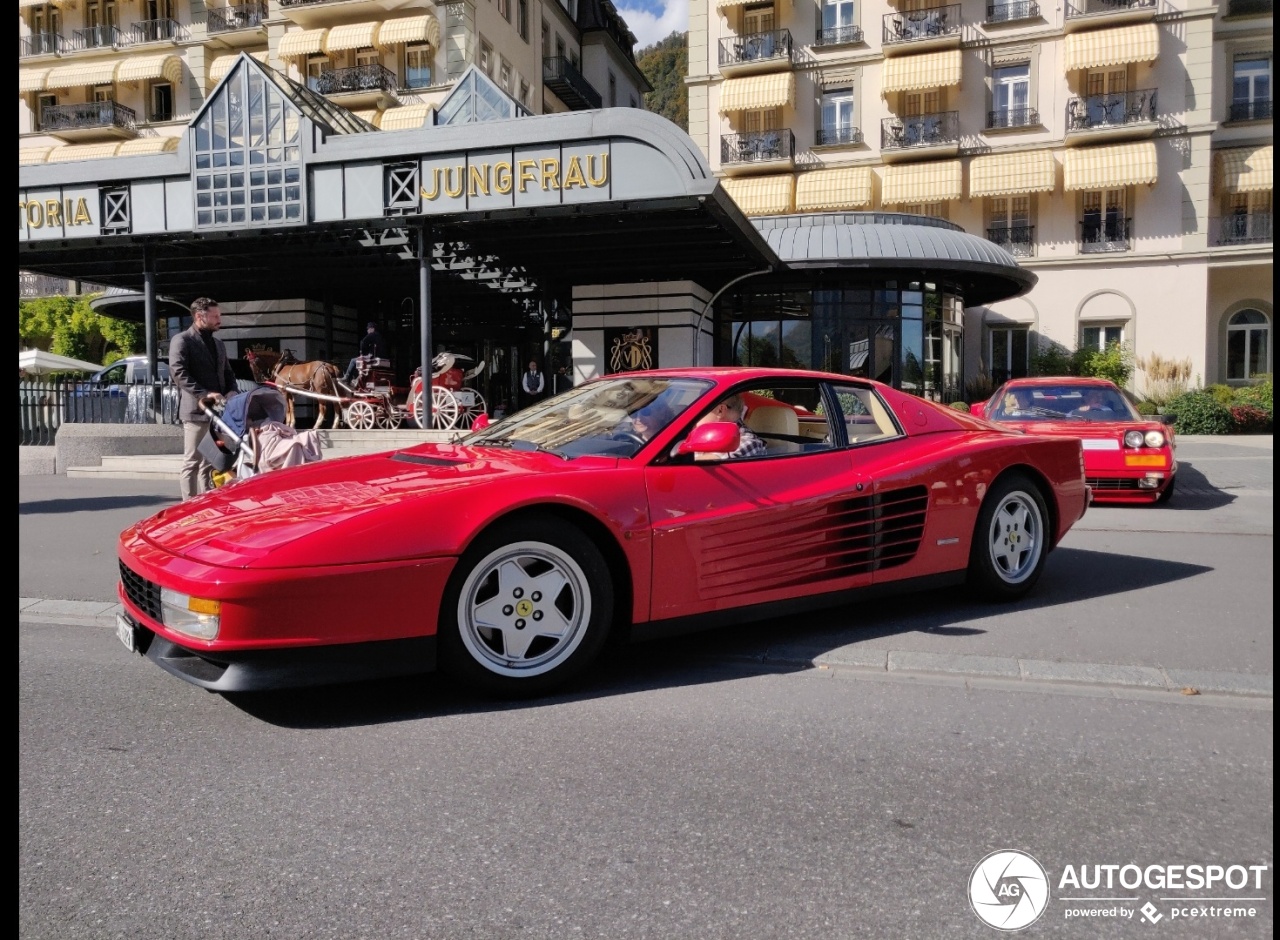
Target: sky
{"points": [[652, 20]]}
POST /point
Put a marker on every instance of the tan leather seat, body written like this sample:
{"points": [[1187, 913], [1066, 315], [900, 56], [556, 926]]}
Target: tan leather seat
{"points": [[775, 419]]}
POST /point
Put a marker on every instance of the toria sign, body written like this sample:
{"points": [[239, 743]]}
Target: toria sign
{"points": [[58, 213]]}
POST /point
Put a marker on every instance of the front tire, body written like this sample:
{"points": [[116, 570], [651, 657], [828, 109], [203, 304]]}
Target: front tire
{"points": [[1167, 493], [1010, 540], [529, 606]]}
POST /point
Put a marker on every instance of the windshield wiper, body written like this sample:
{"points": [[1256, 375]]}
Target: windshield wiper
{"points": [[517, 443]]}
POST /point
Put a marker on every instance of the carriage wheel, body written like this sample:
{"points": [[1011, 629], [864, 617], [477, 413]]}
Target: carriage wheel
{"points": [[360, 416], [444, 408], [468, 417], [389, 418]]}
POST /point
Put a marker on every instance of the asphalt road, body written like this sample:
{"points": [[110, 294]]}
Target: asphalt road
{"points": [[753, 783]]}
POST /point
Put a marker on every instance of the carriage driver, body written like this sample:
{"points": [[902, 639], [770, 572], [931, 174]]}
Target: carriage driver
{"points": [[371, 347]]}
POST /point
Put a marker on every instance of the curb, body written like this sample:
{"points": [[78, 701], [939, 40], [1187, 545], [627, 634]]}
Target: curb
{"points": [[890, 662]]}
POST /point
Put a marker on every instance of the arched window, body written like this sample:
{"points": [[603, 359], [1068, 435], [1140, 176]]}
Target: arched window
{"points": [[1248, 345]]}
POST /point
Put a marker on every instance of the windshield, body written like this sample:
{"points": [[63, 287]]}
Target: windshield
{"points": [[611, 417], [1063, 403]]}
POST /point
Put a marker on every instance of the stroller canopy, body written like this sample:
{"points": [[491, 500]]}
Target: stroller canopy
{"points": [[252, 408]]}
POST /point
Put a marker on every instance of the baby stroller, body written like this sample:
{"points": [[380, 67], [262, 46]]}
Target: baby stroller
{"points": [[248, 436]]}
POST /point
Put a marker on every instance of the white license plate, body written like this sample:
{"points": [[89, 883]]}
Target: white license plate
{"points": [[1100, 443], [126, 632]]}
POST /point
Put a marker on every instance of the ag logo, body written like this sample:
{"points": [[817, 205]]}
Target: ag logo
{"points": [[1008, 890]]}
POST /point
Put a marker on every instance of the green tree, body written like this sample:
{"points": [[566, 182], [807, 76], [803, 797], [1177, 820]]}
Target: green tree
{"points": [[665, 64], [68, 326]]}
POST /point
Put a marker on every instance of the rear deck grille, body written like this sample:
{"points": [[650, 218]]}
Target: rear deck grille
{"points": [[143, 594]]}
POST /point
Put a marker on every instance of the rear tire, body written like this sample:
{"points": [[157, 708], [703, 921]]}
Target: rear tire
{"points": [[529, 606], [1010, 540]]}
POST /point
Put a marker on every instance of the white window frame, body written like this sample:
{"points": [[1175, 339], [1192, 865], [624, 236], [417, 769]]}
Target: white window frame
{"points": [[1007, 81], [1248, 330], [1108, 332], [153, 109], [424, 53], [839, 14], [841, 104], [1007, 368]]}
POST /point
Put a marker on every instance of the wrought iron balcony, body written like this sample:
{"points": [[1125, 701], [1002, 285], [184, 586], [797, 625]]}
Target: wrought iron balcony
{"points": [[920, 130], [758, 146], [1013, 11], [1249, 8], [96, 37], [930, 23], [370, 77], [1244, 228], [569, 85], [1018, 240], [1257, 109], [1013, 117], [838, 35], [1130, 107], [1092, 7], [249, 15], [756, 47], [88, 116], [1097, 235], [42, 44], [838, 134], [162, 30]]}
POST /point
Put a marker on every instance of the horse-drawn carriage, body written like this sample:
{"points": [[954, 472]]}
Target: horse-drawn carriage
{"points": [[373, 399]]}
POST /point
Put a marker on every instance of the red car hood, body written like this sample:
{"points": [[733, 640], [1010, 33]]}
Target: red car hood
{"points": [[244, 523]]}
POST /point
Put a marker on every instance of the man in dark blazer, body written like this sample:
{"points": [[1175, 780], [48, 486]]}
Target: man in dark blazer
{"points": [[200, 368]]}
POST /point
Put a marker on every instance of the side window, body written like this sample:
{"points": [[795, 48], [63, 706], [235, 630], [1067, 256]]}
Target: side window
{"points": [[779, 419], [864, 415]]}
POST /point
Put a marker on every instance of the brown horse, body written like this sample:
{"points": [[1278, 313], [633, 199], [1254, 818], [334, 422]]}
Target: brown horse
{"points": [[314, 378]]}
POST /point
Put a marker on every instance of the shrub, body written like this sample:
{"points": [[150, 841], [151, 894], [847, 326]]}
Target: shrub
{"points": [[1115, 363], [1260, 395], [1148, 408], [1198, 413], [1050, 358], [979, 388], [1164, 379], [1250, 419], [960, 406], [1223, 394]]}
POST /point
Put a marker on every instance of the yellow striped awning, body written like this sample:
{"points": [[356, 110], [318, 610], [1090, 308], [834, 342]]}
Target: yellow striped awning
{"points": [[302, 42], [31, 155], [1119, 46], [1244, 170], [913, 72], [219, 68], [763, 195], [405, 118], [140, 146], [921, 182], [149, 67], [729, 4], [351, 36], [32, 79], [1005, 174], [82, 73], [372, 115], [82, 152], [841, 188], [1103, 167], [410, 29], [758, 92]]}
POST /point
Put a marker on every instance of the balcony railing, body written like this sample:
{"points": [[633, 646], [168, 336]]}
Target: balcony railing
{"points": [[369, 77], [42, 44], [96, 37], [758, 146], [756, 47], [920, 130], [304, 3], [1012, 11], [931, 23], [1259, 109], [839, 134], [1249, 8], [1130, 107], [73, 117], [837, 35], [1018, 240], [1013, 117], [568, 84], [1098, 235], [163, 30], [1245, 228], [1091, 7], [238, 16]]}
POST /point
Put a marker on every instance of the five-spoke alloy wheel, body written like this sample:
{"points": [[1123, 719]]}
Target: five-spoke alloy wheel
{"points": [[1011, 539]]}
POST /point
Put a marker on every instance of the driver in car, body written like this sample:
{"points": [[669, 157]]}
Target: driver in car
{"points": [[734, 409]]}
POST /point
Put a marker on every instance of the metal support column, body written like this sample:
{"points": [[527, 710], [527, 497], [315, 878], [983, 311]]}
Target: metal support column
{"points": [[149, 321], [424, 308]]}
